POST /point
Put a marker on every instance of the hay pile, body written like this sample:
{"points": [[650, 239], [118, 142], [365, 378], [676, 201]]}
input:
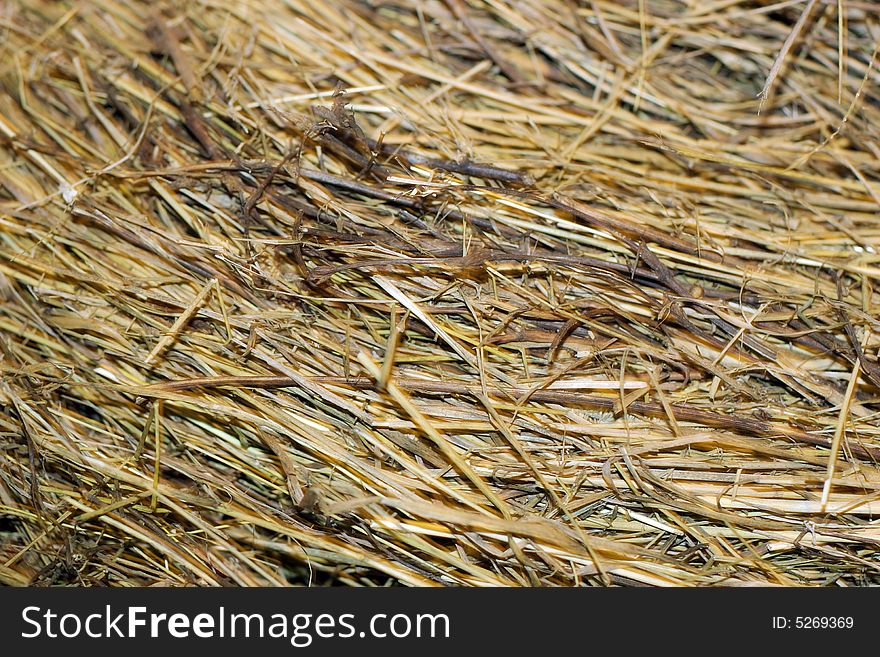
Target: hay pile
{"points": [[514, 292]]}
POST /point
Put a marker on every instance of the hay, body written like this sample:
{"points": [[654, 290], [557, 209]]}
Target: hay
{"points": [[439, 293]]}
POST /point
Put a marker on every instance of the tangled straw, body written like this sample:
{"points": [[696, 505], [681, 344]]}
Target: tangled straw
{"points": [[514, 292]]}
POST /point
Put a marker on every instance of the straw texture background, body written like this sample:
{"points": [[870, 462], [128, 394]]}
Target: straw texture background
{"points": [[502, 292]]}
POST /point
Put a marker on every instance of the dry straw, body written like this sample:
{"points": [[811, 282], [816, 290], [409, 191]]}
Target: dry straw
{"points": [[502, 292]]}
